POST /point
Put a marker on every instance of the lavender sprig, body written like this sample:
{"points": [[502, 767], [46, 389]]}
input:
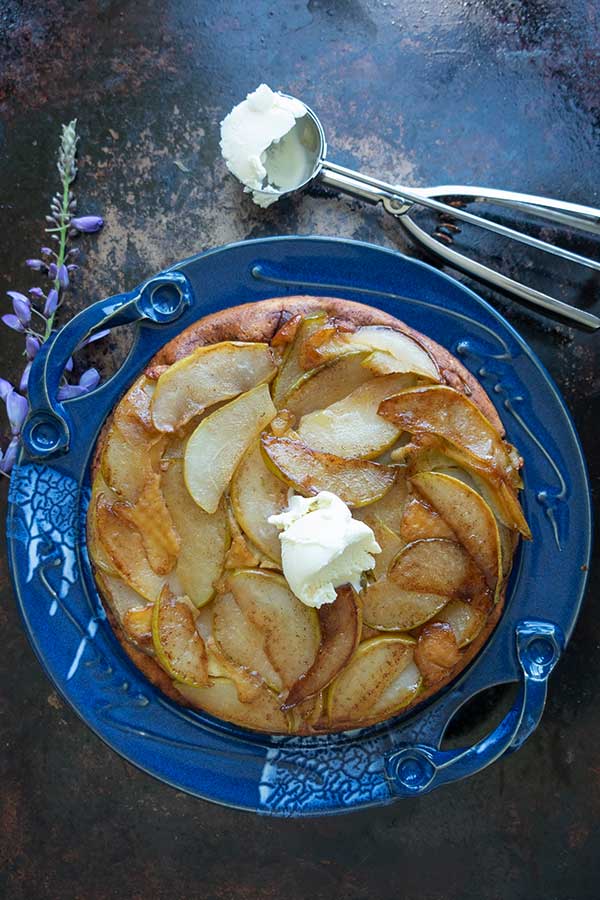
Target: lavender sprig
{"points": [[33, 316]]}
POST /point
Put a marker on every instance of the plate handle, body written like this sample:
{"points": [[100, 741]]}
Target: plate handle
{"points": [[417, 769], [159, 301]]}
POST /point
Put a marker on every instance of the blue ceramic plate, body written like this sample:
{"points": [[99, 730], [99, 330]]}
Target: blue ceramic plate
{"points": [[295, 776]]}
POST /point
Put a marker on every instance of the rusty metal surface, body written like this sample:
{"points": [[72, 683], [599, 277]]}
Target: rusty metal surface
{"points": [[500, 93]]}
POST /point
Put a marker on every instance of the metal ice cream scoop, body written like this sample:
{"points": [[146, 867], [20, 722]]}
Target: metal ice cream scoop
{"points": [[399, 201]]}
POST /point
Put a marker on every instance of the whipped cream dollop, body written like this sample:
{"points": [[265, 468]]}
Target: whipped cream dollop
{"points": [[323, 547], [265, 119]]}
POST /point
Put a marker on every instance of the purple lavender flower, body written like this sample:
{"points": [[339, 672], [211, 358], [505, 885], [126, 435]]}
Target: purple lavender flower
{"points": [[5, 388], [16, 410], [46, 251], [69, 364], [92, 338], [13, 322], [90, 379], [37, 292], [51, 302], [8, 458], [36, 264], [72, 267], [22, 306], [32, 345], [24, 382], [63, 277], [52, 271], [70, 391], [88, 224]]}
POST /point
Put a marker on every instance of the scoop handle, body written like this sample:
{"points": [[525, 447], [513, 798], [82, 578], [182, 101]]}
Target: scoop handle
{"points": [[160, 301], [417, 769]]}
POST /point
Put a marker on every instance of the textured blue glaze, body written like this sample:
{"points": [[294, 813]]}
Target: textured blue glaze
{"points": [[194, 752]]}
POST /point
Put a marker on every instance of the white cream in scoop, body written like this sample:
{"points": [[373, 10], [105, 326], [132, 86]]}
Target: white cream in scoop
{"points": [[323, 547], [265, 119]]}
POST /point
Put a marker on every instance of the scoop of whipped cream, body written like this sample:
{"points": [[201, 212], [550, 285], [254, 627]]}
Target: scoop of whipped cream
{"points": [[323, 547], [261, 121]]}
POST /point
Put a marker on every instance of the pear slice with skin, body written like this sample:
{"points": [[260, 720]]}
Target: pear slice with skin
{"points": [[205, 537], [352, 427], [137, 624], [443, 411], [291, 629], [469, 517], [355, 481], [437, 652], [220, 698], [242, 641], [291, 368], [421, 521], [133, 415], [179, 648], [256, 493], [217, 445], [392, 350], [326, 385], [355, 697], [389, 607], [207, 376], [341, 624], [389, 510], [439, 566], [465, 620], [150, 515]]}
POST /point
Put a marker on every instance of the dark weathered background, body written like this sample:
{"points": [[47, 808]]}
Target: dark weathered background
{"points": [[430, 91]]}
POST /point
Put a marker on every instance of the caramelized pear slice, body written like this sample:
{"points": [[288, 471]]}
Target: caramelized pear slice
{"points": [[125, 550], [207, 376], [327, 384], [291, 368], [389, 607], [137, 624], [355, 481], [220, 698], [149, 514], [125, 467], [217, 445], [371, 687], [465, 620], [389, 509], [390, 544], [204, 537], [255, 495], [352, 427], [469, 517], [443, 411], [179, 648], [133, 416], [392, 351], [242, 641], [291, 629], [340, 624], [421, 521], [439, 566], [437, 652]]}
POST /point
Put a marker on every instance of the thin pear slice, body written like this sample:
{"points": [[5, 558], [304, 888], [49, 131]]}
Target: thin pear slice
{"points": [[469, 517], [327, 384], [354, 696], [125, 550], [465, 620], [204, 537], [406, 353], [125, 466], [242, 641], [420, 521], [220, 698], [217, 445], [341, 624], [179, 648], [356, 481], [133, 417], [443, 411], [388, 607], [291, 629], [427, 454], [389, 509], [207, 376], [352, 427], [150, 515], [390, 544], [137, 624], [439, 566], [437, 652], [292, 368], [120, 596], [255, 495]]}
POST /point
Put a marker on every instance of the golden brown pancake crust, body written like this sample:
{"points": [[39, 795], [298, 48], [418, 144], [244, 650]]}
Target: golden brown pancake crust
{"points": [[258, 321]]}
